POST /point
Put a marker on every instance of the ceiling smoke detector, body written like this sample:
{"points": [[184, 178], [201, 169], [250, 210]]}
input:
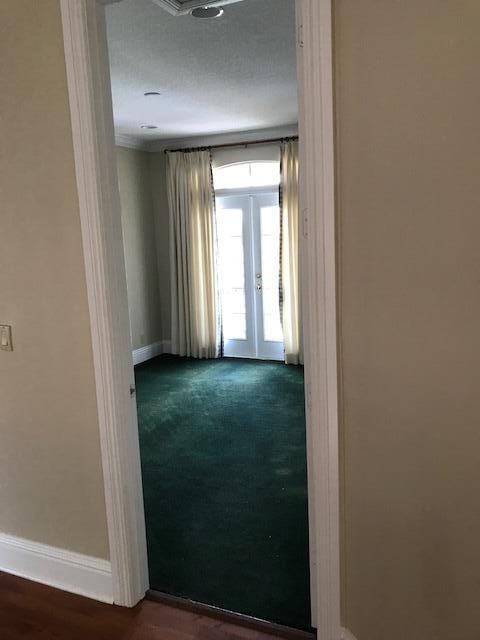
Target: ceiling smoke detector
{"points": [[207, 12]]}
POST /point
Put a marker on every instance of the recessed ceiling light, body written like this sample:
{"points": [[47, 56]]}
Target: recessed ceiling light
{"points": [[207, 12], [151, 93], [148, 126]]}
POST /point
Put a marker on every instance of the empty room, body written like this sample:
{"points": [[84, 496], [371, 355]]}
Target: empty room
{"points": [[206, 124]]}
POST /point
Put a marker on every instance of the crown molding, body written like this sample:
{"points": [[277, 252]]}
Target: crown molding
{"points": [[252, 135], [182, 7], [130, 142]]}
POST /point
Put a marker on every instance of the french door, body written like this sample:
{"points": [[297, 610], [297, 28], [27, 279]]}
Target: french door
{"points": [[248, 228]]}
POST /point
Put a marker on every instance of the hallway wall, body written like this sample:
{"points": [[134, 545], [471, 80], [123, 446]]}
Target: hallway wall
{"points": [[407, 104], [51, 483]]}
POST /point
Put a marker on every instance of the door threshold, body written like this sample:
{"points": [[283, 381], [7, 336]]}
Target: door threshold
{"points": [[230, 617]]}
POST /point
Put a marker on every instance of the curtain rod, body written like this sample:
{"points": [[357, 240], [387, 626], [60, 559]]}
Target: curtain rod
{"points": [[230, 146]]}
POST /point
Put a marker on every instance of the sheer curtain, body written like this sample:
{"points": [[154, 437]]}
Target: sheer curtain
{"points": [[192, 254], [291, 314]]}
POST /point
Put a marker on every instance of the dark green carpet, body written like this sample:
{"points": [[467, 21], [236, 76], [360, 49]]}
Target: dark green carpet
{"points": [[224, 479]]}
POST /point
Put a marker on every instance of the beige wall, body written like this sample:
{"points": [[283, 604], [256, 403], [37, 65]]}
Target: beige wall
{"points": [[158, 181], [51, 487], [408, 149], [139, 239]]}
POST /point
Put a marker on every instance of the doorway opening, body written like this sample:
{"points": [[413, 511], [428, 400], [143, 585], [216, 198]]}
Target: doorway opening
{"points": [[89, 91], [209, 253]]}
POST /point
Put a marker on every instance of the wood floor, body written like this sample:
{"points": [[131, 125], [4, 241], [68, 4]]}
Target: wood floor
{"points": [[30, 610]]}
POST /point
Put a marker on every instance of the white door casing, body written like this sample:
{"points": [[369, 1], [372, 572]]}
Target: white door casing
{"points": [[92, 129], [317, 206], [88, 77]]}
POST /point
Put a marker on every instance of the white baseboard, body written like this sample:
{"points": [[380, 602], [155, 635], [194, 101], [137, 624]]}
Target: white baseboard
{"points": [[66, 570], [150, 351], [347, 635]]}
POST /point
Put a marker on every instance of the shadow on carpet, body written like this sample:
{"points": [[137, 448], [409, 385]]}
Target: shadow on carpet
{"points": [[225, 484]]}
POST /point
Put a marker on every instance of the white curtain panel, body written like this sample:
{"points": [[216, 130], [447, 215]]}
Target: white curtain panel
{"points": [[192, 254], [290, 255]]}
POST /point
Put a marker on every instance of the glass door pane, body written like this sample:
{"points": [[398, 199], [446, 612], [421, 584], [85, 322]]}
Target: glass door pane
{"points": [[270, 250], [235, 275], [232, 273], [266, 224]]}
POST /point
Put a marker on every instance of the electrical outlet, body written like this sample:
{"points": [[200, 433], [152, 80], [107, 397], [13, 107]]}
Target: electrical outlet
{"points": [[6, 337]]}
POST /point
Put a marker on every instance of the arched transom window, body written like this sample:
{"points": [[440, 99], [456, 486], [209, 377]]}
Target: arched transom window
{"points": [[243, 175]]}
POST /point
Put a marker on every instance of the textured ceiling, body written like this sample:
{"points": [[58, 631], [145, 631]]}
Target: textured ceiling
{"points": [[233, 73]]}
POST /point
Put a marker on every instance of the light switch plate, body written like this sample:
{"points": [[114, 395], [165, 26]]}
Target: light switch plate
{"points": [[6, 337]]}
